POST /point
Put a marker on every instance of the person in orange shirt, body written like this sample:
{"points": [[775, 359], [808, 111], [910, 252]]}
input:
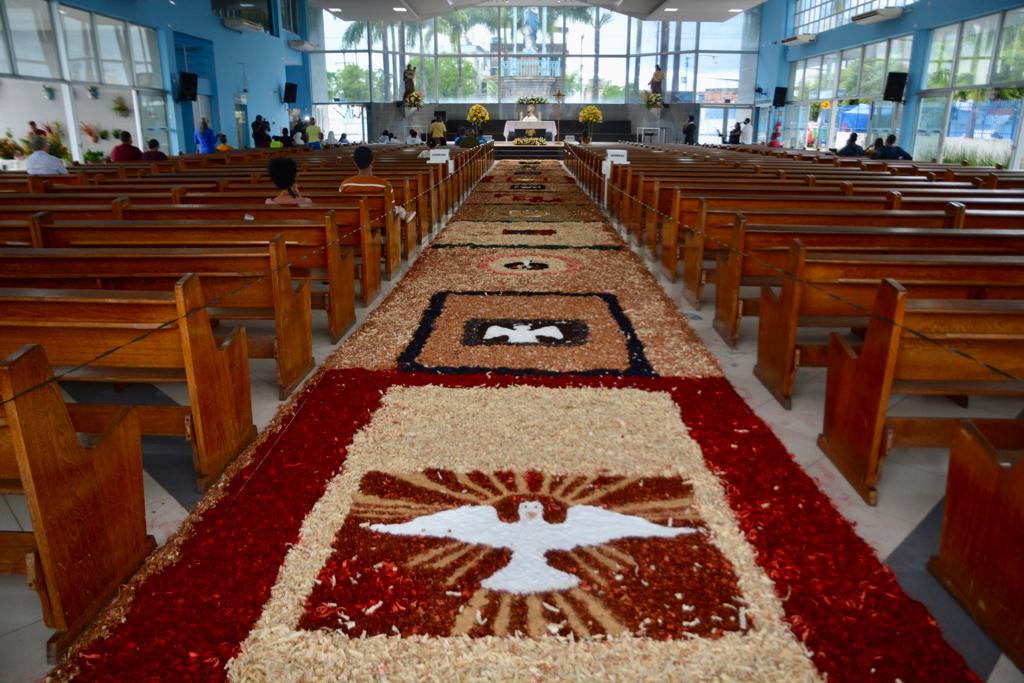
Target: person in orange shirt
{"points": [[364, 182]]}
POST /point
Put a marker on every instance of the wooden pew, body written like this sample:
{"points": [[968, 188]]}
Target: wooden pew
{"points": [[317, 251], [836, 289], [85, 501], [857, 433], [78, 326], [243, 283], [717, 232], [981, 555]]}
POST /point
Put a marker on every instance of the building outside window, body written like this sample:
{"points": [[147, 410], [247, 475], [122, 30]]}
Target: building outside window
{"points": [[971, 104]]}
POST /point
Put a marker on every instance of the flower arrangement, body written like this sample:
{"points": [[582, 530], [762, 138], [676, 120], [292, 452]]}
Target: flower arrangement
{"points": [[91, 131], [478, 115], [9, 147], [55, 136], [532, 99], [120, 106], [414, 100], [590, 115], [653, 100], [530, 140]]}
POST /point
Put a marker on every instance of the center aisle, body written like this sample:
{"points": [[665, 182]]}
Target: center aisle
{"points": [[524, 466]]}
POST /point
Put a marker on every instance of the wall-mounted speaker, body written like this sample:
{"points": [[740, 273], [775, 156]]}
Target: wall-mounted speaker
{"points": [[188, 86], [895, 84], [291, 92], [779, 100]]}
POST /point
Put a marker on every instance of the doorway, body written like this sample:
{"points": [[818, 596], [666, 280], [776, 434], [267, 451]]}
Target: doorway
{"points": [[715, 123], [242, 122]]}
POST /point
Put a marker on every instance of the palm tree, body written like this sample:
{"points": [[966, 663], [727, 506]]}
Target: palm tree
{"points": [[355, 33], [454, 25]]}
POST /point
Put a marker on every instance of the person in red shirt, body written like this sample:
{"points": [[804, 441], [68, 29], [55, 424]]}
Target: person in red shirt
{"points": [[126, 151], [154, 153]]}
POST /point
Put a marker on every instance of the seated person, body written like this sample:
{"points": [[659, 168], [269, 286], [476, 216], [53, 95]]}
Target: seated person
{"points": [[431, 144], [343, 140], [875, 149], [153, 153], [41, 162], [282, 140], [283, 172], [893, 151], [414, 138], [531, 114], [331, 139], [222, 143], [458, 137], [384, 138], [364, 182], [852, 149], [126, 151]]}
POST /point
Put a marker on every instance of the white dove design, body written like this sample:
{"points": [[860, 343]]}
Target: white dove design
{"points": [[531, 538], [521, 333]]}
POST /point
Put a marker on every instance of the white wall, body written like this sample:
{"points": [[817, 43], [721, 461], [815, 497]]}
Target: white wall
{"points": [[22, 101], [98, 112]]}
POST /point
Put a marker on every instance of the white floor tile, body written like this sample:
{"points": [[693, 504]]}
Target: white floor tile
{"points": [[23, 654], [19, 507], [1006, 672], [20, 604]]}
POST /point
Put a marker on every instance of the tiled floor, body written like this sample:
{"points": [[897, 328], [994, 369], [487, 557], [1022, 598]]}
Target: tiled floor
{"points": [[903, 528]]}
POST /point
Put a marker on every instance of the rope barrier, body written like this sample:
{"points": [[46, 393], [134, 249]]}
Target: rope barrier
{"points": [[232, 292]]}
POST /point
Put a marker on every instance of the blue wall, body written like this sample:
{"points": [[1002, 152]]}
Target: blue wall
{"points": [[918, 19], [249, 64]]}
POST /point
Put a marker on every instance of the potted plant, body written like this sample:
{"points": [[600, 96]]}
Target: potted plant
{"points": [[93, 156], [478, 115], [120, 106], [48, 92], [590, 115], [104, 135], [91, 131]]}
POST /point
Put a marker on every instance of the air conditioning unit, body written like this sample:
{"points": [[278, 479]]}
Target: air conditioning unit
{"points": [[242, 25], [800, 38], [302, 45], [877, 15]]}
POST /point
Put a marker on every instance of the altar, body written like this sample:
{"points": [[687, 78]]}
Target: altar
{"points": [[548, 126]]}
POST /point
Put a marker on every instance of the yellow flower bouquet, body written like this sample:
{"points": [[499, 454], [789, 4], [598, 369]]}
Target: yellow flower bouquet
{"points": [[478, 115], [590, 115]]}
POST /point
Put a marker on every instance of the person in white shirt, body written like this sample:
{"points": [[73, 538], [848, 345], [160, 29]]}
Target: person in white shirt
{"points": [[40, 162], [384, 138], [297, 139], [747, 133], [414, 138]]}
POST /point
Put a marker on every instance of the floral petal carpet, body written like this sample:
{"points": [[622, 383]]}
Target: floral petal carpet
{"points": [[524, 466]]}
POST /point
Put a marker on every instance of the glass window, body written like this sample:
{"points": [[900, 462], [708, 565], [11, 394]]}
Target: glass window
{"points": [[647, 36], [145, 57], [827, 87], [290, 15], [977, 45], [81, 51], [347, 78], [725, 78], [32, 39], [940, 57], [5, 62], [872, 73], [580, 84], [153, 118], [739, 33], [849, 73], [256, 11], [343, 35], [679, 74], [931, 118], [682, 36], [812, 78], [612, 71], [981, 127], [112, 40], [796, 81], [1010, 66], [899, 54], [816, 16]]}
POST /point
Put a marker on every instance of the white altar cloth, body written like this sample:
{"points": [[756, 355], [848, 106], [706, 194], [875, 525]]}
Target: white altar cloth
{"points": [[529, 125]]}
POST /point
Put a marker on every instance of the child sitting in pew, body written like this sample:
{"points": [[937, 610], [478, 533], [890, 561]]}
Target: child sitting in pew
{"points": [[283, 172]]}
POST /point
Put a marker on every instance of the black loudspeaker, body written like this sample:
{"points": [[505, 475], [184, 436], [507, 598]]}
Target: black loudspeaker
{"points": [[895, 83], [780, 97], [291, 91], [188, 85]]}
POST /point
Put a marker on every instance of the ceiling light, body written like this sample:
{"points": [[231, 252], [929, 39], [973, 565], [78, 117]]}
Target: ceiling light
{"points": [[399, 9], [671, 9], [334, 9], [735, 11]]}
